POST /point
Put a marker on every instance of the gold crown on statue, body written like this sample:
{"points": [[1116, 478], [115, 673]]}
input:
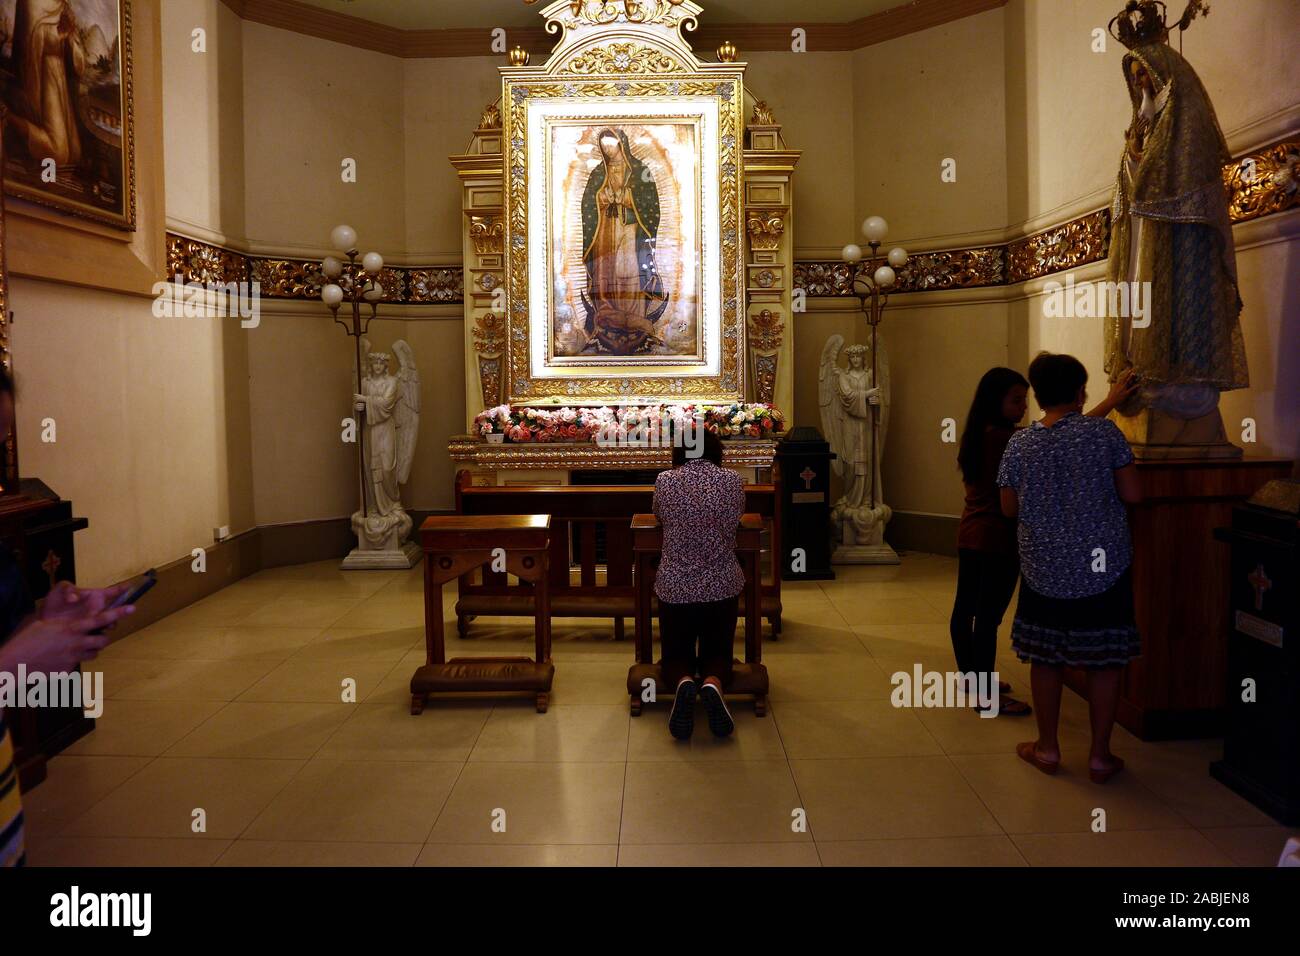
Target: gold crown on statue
{"points": [[1143, 21]]}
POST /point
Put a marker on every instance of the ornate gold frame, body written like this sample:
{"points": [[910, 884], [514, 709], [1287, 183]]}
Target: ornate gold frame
{"points": [[126, 221], [602, 53]]}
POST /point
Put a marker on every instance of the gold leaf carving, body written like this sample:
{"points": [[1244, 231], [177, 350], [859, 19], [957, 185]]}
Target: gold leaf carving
{"points": [[765, 329], [487, 233], [762, 115], [765, 229], [621, 58]]}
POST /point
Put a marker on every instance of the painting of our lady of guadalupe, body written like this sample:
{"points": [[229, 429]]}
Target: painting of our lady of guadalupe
{"points": [[65, 67], [626, 249]]}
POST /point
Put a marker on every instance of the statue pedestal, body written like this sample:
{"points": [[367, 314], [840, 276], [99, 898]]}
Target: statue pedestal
{"points": [[364, 559], [861, 536], [865, 554], [381, 542], [1157, 435]]}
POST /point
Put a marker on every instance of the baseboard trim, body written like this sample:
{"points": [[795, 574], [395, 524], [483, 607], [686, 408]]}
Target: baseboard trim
{"points": [[179, 585], [243, 554], [918, 531]]}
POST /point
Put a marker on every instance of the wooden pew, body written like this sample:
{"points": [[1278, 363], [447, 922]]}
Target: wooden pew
{"points": [[579, 587], [748, 677]]}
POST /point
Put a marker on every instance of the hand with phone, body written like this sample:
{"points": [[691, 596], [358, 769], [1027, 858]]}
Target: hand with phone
{"points": [[59, 644], [66, 600]]}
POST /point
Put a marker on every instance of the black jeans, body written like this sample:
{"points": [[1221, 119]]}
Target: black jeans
{"points": [[985, 582], [710, 623]]}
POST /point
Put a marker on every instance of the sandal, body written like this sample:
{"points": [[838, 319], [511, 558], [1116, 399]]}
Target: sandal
{"points": [[1008, 706], [1012, 707], [1101, 776], [1028, 752]]}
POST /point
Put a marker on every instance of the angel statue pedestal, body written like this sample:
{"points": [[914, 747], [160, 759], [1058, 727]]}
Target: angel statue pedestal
{"points": [[853, 407], [390, 409]]}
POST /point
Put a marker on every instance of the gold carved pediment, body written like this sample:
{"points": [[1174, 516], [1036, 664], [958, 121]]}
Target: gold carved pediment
{"points": [[628, 57]]}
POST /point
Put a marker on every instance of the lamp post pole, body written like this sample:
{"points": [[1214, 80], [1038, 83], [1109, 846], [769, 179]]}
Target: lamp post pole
{"points": [[355, 280], [870, 288]]}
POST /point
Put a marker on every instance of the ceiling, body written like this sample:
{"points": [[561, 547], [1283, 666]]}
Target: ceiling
{"points": [[454, 14]]}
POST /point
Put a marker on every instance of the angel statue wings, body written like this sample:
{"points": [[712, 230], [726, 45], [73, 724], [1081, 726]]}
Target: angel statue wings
{"points": [[853, 403], [390, 407]]}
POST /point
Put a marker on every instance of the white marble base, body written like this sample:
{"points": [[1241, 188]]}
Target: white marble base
{"points": [[360, 559], [865, 554]]}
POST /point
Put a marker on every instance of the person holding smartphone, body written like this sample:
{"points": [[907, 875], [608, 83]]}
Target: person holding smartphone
{"points": [[66, 630]]}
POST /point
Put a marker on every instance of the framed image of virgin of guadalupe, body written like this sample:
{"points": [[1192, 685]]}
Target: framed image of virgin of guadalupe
{"points": [[624, 262], [625, 227], [65, 66]]}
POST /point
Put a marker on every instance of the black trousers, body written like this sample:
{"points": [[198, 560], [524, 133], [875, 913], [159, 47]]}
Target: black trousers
{"points": [[711, 625], [985, 583]]}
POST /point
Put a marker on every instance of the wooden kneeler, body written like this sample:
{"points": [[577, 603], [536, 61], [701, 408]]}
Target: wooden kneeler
{"points": [[748, 677], [455, 545]]}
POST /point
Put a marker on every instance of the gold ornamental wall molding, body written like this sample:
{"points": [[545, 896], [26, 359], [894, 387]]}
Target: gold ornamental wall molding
{"points": [[1260, 183], [1263, 182], [193, 260], [325, 24]]}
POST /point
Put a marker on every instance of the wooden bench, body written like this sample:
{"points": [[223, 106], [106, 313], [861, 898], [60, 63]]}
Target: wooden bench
{"points": [[748, 677], [580, 586], [454, 545]]}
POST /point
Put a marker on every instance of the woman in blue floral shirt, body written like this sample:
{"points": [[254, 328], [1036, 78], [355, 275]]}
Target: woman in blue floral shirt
{"points": [[1067, 479]]}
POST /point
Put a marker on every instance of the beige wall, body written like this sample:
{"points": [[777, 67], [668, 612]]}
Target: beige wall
{"points": [[443, 100], [151, 422], [203, 112], [919, 100]]}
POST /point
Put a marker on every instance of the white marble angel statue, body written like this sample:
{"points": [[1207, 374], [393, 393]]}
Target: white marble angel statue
{"points": [[389, 405], [851, 405]]}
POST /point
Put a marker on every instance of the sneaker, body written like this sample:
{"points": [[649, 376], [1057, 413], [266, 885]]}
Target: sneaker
{"points": [[720, 721], [681, 722]]}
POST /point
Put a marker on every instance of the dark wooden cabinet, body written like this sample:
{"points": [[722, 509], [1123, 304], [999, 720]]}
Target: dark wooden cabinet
{"points": [[37, 526]]}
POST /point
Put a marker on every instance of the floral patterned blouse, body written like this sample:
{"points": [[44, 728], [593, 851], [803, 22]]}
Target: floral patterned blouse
{"points": [[699, 506], [1073, 529]]}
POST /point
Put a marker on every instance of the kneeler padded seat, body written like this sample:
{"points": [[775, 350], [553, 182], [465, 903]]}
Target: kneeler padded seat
{"points": [[748, 677], [454, 545]]}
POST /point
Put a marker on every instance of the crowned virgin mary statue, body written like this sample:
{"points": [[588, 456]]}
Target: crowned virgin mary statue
{"points": [[1170, 232]]}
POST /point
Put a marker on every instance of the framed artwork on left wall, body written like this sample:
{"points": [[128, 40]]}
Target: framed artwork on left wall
{"points": [[66, 71]]}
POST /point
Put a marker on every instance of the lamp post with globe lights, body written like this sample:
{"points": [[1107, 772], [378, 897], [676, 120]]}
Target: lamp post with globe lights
{"points": [[355, 280], [871, 287]]}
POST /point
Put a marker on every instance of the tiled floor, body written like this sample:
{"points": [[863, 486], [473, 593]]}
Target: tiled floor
{"points": [[225, 740]]}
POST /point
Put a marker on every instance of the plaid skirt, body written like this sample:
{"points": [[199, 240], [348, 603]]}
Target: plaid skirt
{"points": [[1091, 632]]}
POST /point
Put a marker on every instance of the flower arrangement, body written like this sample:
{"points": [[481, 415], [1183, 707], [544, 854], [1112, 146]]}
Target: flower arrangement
{"points": [[651, 424]]}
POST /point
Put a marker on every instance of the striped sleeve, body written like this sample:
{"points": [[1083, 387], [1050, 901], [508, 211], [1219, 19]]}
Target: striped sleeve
{"points": [[11, 804]]}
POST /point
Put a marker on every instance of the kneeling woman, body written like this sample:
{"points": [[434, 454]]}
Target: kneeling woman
{"points": [[699, 504]]}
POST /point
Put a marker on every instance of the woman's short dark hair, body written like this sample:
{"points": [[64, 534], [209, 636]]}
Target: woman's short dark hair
{"points": [[710, 449], [1056, 379]]}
